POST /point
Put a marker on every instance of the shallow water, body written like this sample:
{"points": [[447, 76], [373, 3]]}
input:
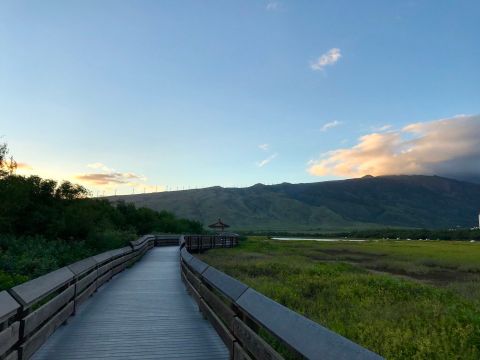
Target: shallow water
{"points": [[326, 240]]}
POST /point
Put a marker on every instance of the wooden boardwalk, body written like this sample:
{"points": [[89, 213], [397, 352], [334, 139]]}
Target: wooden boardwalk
{"points": [[143, 313]]}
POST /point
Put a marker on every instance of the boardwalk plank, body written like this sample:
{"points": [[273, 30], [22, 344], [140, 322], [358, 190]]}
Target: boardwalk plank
{"points": [[143, 313]]}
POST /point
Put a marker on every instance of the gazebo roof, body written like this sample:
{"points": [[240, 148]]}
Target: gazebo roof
{"points": [[218, 224]]}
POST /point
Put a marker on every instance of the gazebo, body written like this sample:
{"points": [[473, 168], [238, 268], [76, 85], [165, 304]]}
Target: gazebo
{"points": [[219, 225]]}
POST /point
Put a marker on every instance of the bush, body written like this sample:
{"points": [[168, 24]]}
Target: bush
{"points": [[45, 225]]}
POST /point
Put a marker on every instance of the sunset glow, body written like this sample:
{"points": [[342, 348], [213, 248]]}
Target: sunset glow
{"points": [[155, 96]]}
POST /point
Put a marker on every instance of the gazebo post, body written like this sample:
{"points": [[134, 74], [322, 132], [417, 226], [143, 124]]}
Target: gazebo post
{"points": [[219, 225]]}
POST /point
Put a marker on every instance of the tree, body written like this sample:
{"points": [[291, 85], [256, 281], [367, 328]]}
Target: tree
{"points": [[32, 206], [7, 164], [68, 191]]}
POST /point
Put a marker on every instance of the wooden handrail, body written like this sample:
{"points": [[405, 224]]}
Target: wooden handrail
{"points": [[32, 311], [199, 243], [238, 312]]}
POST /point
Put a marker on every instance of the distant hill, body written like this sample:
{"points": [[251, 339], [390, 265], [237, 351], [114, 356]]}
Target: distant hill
{"points": [[396, 201]]}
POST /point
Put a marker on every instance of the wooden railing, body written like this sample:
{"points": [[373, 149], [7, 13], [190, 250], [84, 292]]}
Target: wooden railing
{"points": [[239, 313], [199, 243], [32, 311]]}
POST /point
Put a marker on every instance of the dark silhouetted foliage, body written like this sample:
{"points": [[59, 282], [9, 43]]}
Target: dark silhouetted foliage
{"points": [[32, 206], [45, 225]]}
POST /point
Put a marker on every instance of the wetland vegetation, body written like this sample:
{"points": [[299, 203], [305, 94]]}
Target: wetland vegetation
{"points": [[401, 299]]}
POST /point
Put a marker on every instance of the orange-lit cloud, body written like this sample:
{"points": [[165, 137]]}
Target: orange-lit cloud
{"points": [[105, 176], [23, 166], [448, 147], [24, 169], [109, 178]]}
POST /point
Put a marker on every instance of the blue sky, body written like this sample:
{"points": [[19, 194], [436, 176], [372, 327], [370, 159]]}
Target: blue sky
{"points": [[167, 94]]}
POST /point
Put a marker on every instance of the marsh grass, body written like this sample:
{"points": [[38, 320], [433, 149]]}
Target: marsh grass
{"points": [[396, 317]]}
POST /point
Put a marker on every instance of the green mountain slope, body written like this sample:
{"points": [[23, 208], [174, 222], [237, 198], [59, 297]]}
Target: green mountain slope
{"points": [[401, 201]]}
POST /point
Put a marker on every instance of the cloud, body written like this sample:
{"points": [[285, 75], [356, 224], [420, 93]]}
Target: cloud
{"points": [[382, 128], [100, 166], [266, 161], [109, 178], [264, 147], [329, 58], [330, 125], [23, 166], [447, 147], [272, 6]]}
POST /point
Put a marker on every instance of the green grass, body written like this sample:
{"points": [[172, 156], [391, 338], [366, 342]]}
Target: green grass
{"points": [[406, 311], [27, 257]]}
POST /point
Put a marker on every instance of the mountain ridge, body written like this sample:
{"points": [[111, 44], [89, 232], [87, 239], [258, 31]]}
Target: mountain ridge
{"points": [[416, 201]]}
